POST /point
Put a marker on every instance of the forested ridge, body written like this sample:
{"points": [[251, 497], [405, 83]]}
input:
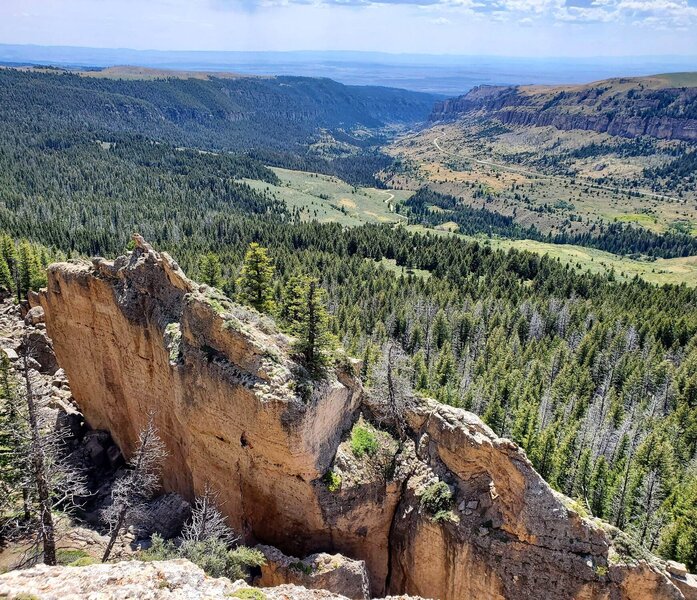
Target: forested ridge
{"points": [[281, 113], [595, 378]]}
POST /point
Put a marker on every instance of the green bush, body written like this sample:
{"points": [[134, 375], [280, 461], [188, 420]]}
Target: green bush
{"points": [[445, 516], [65, 556], [363, 441], [332, 480], [302, 567], [83, 562], [212, 555], [249, 594], [437, 499]]}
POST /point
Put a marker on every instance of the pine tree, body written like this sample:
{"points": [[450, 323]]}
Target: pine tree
{"points": [[211, 271], [599, 488], [6, 282], [420, 372], [12, 439], [679, 540], [9, 252], [290, 309], [495, 416], [314, 342], [30, 273], [255, 283], [445, 365], [207, 522], [542, 453], [441, 329], [524, 430], [584, 475]]}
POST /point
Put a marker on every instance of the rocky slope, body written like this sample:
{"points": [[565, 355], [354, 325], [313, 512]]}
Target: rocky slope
{"points": [[172, 579], [135, 336], [621, 107]]}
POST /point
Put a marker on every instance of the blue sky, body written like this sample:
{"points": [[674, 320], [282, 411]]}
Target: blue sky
{"points": [[492, 27]]}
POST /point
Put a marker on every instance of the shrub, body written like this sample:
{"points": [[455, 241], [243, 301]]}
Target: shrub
{"points": [[363, 441], [249, 594], [212, 555], [68, 556], [302, 567], [332, 480], [437, 498], [83, 562]]}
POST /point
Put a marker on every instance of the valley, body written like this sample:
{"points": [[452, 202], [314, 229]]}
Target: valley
{"points": [[326, 199], [400, 344]]}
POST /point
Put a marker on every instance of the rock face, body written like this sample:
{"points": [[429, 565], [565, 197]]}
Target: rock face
{"points": [[334, 573], [171, 580], [616, 107], [136, 336]]}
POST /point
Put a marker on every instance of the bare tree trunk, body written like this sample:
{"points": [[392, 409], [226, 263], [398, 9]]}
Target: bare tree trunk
{"points": [[392, 396], [114, 534], [26, 503], [38, 462]]}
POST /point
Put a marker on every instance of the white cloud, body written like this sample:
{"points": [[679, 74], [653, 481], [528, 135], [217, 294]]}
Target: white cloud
{"points": [[503, 27]]}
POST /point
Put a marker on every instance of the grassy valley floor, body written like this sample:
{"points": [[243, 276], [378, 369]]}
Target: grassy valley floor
{"points": [[329, 199]]}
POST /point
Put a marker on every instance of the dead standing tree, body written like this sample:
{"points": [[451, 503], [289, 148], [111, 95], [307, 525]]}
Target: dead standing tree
{"points": [[39, 472], [132, 491], [38, 455], [392, 392], [207, 522]]}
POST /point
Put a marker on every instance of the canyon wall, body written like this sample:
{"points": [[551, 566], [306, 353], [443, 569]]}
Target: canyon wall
{"points": [[669, 114], [137, 338]]}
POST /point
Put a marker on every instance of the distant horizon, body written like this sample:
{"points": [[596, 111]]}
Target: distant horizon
{"points": [[601, 57], [445, 75]]}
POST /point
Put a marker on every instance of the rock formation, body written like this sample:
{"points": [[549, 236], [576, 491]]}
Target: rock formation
{"points": [[135, 337], [612, 107], [322, 571], [171, 580]]}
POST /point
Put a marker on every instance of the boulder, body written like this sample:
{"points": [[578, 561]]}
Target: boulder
{"points": [[11, 354], [37, 346], [165, 516], [34, 316], [334, 573]]}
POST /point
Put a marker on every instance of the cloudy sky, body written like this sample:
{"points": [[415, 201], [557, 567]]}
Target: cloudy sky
{"points": [[494, 27]]}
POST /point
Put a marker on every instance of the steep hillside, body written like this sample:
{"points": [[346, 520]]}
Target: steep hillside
{"points": [[218, 113], [663, 107], [449, 510]]}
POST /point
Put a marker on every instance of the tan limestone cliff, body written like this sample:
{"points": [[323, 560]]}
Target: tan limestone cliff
{"points": [[136, 336]]}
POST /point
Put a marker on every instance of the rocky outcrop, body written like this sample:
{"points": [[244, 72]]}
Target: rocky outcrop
{"points": [[332, 572], [135, 337], [170, 580], [604, 107]]}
